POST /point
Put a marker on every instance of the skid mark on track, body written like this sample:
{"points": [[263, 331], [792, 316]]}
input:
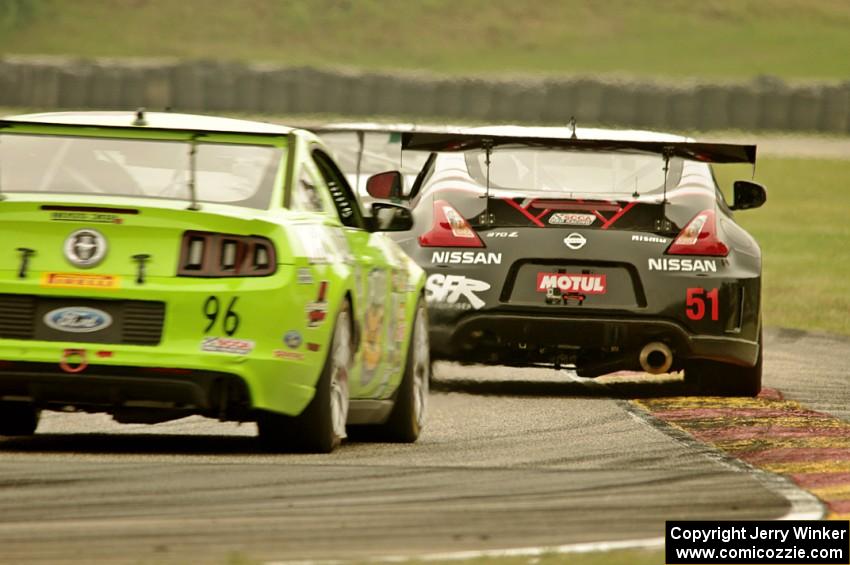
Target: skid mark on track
{"points": [[810, 448]]}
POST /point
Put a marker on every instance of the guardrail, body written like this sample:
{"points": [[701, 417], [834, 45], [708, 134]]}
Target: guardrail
{"points": [[765, 103]]}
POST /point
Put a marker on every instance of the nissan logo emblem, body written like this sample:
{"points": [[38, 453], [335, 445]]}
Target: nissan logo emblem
{"points": [[575, 241], [85, 248]]}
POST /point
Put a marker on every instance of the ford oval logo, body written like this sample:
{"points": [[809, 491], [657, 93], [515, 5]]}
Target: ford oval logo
{"points": [[77, 319]]}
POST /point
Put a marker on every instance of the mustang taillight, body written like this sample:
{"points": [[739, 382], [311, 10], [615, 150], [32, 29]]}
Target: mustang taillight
{"points": [[450, 229], [699, 237], [207, 254]]}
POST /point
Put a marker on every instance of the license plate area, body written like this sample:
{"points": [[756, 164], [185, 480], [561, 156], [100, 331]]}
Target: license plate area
{"points": [[562, 284]]}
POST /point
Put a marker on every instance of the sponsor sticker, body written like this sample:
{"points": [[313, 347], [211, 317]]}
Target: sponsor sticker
{"points": [[575, 241], [77, 319], [304, 276], [74, 280], [88, 217], [683, 265], [292, 339], [650, 239], [567, 282], [316, 314], [374, 327], [317, 311], [571, 219], [466, 258], [288, 355], [227, 345], [451, 289]]}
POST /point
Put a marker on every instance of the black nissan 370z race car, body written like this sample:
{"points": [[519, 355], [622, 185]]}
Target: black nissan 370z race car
{"points": [[605, 250]]}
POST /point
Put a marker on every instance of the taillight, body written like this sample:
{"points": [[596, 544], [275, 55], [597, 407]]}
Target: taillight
{"points": [[450, 229], [206, 254], [699, 237]]}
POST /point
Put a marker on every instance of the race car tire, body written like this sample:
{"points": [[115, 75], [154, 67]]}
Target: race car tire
{"points": [[18, 419], [410, 410], [320, 428], [711, 378]]}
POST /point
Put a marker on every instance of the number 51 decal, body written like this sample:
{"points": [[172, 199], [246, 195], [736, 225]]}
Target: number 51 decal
{"points": [[212, 307], [696, 299]]}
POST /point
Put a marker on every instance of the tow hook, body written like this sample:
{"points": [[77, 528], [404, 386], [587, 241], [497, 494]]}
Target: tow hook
{"points": [[140, 260], [26, 253], [73, 360]]}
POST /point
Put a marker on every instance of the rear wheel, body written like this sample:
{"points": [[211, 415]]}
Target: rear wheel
{"points": [[410, 410], [320, 428], [18, 419], [711, 378]]}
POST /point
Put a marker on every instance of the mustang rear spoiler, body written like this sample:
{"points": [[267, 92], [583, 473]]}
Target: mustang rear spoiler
{"points": [[694, 150]]}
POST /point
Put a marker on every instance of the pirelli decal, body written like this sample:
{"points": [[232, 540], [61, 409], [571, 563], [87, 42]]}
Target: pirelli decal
{"points": [[78, 280]]}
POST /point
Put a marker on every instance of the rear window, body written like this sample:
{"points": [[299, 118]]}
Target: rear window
{"points": [[241, 175], [565, 172]]}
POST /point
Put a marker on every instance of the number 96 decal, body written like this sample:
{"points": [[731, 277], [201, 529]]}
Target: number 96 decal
{"points": [[699, 302], [230, 319]]}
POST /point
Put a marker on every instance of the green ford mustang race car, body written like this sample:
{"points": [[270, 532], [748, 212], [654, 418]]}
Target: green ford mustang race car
{"points": [[156, 266]]}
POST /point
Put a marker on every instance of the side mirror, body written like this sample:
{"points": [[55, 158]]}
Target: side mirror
{"points": [[391, 217], [384, 186], [747, 194]]}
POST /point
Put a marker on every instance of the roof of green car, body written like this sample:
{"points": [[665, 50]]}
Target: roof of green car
{"points": [[151, 120]]}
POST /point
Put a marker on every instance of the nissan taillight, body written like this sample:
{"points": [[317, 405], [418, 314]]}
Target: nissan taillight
{"points": [[207, 254], [450, 229], [699, 237]]}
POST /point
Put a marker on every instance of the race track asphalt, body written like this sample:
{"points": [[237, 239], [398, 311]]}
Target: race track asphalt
{"points": [[511, 458]]}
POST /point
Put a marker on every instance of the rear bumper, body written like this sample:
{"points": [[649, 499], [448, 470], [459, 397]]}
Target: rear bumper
{"points": [[495, 336], [218, 385], [122, 390]]}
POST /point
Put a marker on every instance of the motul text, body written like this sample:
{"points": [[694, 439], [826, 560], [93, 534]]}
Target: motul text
{"points": [[565, 282]]}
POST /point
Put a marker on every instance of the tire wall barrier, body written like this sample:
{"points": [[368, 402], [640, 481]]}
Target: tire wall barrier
{"points": [[765, 103]]}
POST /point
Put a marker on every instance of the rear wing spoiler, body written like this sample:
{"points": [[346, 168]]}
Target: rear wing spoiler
{"points": [[693, 150]]}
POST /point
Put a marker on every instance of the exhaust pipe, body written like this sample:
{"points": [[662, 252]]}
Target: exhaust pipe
{"points": [[656, 358]]}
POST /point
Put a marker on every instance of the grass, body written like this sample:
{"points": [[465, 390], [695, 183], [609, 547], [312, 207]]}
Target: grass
{"points": [[673, 38], [804, 234]]}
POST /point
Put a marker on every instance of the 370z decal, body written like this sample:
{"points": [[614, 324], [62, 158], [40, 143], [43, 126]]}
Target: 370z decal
{"points": [[699, 302], [212, 308]]}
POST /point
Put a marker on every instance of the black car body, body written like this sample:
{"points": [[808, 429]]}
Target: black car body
{"points": [[604, 251]]}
